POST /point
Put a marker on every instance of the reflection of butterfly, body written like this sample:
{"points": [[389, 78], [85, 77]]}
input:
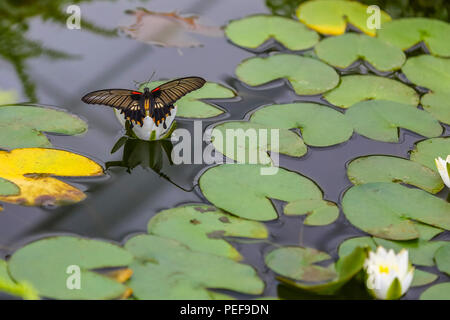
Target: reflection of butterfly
{"points": [[155, 104]]}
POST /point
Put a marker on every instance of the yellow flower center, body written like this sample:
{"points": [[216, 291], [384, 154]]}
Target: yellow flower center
{"points": [[384, 269]]}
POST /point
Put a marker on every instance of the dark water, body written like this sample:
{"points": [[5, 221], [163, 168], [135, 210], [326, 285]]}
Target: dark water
{"points": [[120, 204]]}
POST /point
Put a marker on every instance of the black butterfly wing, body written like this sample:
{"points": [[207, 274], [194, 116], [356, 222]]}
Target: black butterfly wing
{"points": [[127, 101], [168, 93]]}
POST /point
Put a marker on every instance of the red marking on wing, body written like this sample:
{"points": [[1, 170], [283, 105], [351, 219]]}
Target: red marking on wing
{"points": [[156, 89], [136, 92]]}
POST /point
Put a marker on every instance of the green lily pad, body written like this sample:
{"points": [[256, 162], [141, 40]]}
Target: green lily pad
{"points": [[440, 291], [166, 269], [192, 106], [392, 169], [429, 72], [203, 227], [307, 76], [421, 252], [392, 211], [407, 32], [380, 120], [348, 48], [315, 121], [9, 286], [245, 142], [438, 104], [44, 265], [331, 16], [253, 31], [356, 88], [319, 212], [8, 188], [427, 150], [299, 264], [23, 126], [244, 190], [422, 278], [442, 258], [346, 268]]}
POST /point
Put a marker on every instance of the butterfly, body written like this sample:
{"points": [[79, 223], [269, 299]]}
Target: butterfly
{"points": [[136, 105]]}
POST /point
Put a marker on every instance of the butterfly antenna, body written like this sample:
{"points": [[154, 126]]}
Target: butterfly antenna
{"points": [[151, 77]]}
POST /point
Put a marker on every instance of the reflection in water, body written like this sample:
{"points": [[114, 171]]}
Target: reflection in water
{"points": [[16, 48], [437, 9], [147, 154]]}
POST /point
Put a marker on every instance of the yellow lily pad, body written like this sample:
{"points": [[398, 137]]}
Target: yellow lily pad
{"points": [[32, 171], [331, 16]]}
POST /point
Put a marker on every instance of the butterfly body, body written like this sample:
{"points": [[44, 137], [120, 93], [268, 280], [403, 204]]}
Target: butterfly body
{"points": [[156, 104]]}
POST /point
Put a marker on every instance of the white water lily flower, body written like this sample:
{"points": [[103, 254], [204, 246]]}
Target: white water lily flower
{"points": [[443, 168], [149, 130], [389, 275]]}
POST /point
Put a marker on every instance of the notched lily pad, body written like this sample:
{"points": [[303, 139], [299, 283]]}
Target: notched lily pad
{"points": [[392, 211], [315, 121], [429, 72], [357, 88], [23, 126], [319, 212], [253, 31], [244, 190], [31, 170], [407, 32], [440, 291], [192, 106], [331, 16], [392, 169], [307, 76], [438, 104], [344, 50], [248, 142], [381, 119], [442, 257], [427, 150], [345, 268], [298, 263], [203, 227], [166, 269], [46, 264]]}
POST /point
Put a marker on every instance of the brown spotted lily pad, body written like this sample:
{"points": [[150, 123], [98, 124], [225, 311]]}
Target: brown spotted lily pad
{"points": [[31, 170]]}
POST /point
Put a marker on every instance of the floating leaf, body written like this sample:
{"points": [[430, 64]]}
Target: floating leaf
{"points": [[438, 104], [203, 228], [8, 188], [191, 106], [392, 211], [421, 252], [299, 264], [346, 268], [440, 291], [380, 120], [422, 278], [23, 126], [427, 150], [248, 142], [32, 171], [244, 190], [407, 32], [319, 212], [348, 48], [167, 29], [392, 169], [331, 16], [166, 269], [356, 88], [307, 76], [9, 286], [253, 31], [315, 122], [442, 258], [46, 265], [429, 72]]}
